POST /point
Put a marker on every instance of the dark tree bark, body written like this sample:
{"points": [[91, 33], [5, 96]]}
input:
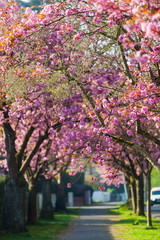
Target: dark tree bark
{"points": [[128, 190], [61, 201], [140, 195], [14, 206], [47, 211], [149, 217], [32, 177], [32, 204], [134, 196]]}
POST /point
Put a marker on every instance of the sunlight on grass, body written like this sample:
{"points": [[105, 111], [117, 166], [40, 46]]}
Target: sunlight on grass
{"points": [[133, 227]]}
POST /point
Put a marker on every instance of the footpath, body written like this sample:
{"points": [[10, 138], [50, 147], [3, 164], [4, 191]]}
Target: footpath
{"points": [[93, 223]]}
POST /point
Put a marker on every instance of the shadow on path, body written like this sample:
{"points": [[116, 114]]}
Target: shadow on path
{"points": [[92, 224]]}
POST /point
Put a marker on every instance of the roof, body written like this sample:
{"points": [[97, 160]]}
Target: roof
{"points": [[155, 188]]}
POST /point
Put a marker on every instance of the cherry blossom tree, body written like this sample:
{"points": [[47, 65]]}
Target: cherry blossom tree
{"points": [[107, 50]]}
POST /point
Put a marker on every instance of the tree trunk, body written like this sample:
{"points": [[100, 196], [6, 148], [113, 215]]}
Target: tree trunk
{"points": [[14, 206], [134, 196], [47, 211], [32, 204], [1, 202], [14, 211], [149, 218], [128, 191], [145, 188], [61, 200], [140, 195]]}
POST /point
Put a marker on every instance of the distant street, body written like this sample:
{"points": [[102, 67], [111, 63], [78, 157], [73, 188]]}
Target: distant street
{"points": [[156, 211]]}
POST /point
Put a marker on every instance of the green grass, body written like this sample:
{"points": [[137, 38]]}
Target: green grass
{"points": [[44, 229], [133, 227]]}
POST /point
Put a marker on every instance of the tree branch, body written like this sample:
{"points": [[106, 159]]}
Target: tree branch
{"points": [[26, 163], [143, 133], [126, 68], [24, 145], [130, 144], [138, 148], [10, 138], [89, 99]]}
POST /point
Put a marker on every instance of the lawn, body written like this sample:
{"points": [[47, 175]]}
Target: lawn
{"points": [[132, 227], [45, 229]]}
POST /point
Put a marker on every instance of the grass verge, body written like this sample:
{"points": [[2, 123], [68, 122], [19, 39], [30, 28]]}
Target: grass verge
{"points": [[133, 227], [44, 229]]}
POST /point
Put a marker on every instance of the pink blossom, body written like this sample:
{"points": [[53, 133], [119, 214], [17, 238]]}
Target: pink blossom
{"points": [[151, 29], [112, 176], [52, 56], [72, 172], [94, 178], [121, 37], [115, 121], [69, 151], [51, 130], [100, 162], [142, 58], [57, 48], [89, 150], [73, 162], [98, 147], [69, 28], [101, 188], [80, 168], [62, 119], [63, 27], [108, 169], [109, 131], [69, 185], [66, 158], [129, 132], [105, 104], [133, 115], [144, 110], [101, 30], [79, 144], [77, 37], [68, 12]]}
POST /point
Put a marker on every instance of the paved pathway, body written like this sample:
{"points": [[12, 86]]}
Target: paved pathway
{"points": [[92, 224]]}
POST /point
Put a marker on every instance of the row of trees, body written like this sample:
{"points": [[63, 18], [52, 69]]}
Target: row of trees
{"points": [[79, 79]]}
